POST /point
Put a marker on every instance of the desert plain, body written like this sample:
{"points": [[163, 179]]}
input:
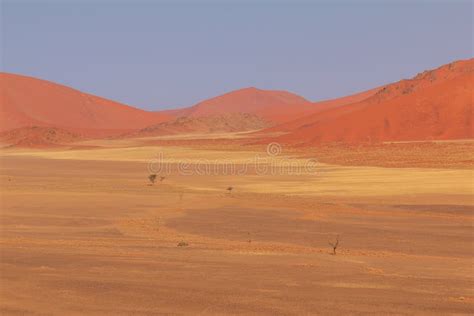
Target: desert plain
{"points": [[83, 231], [236, 158]]}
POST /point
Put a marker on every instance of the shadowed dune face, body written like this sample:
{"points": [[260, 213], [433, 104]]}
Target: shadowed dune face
{"points": [[27, 102]]}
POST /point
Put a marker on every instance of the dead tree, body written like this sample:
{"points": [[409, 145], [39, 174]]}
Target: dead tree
{"points": [[162, 178], [334, 245]]}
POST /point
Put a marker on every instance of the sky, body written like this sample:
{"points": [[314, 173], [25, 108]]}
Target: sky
{"points": [[166, 54]]}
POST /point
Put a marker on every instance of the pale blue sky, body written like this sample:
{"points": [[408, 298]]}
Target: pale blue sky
{"points": [[162, 54]]}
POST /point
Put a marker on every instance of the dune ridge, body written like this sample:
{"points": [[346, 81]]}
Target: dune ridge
{"points": [[433, 105], [27, 102], [272, 105]]}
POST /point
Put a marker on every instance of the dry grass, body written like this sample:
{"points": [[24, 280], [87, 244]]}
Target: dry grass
{"points": [[452, 155], [94, 239]]}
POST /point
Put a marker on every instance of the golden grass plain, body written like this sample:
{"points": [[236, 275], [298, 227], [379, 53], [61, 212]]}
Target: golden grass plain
{"points": [[83, 232]]}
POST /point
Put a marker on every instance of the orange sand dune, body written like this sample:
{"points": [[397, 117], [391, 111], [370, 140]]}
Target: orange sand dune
{"points": [[319, 107], [433, 105], [27, 101], [274, 106]]}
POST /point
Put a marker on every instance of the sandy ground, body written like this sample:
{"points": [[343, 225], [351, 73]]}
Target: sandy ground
{"points": [[82, 233]]}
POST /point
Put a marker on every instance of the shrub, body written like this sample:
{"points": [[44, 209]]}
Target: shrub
{"points": [[152, 178], [182, 244]]}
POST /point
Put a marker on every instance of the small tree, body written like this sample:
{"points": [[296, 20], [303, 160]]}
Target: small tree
{"points": [[162, 178], [229, 189], [152, 178], [334, 245]]}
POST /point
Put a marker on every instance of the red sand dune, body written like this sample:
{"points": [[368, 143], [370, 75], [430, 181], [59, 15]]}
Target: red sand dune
{"points": [[319, 107], [27, 101], [435, 104], [273, 106]]}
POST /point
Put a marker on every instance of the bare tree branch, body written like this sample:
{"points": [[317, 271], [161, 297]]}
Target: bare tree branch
{"points": [[334, 245]]}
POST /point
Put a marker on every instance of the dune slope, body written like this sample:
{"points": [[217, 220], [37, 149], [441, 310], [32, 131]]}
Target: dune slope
{"points": [[435, 104], [319, 107], [27, 101], [273, 106]]}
